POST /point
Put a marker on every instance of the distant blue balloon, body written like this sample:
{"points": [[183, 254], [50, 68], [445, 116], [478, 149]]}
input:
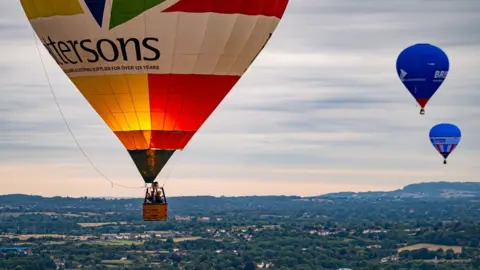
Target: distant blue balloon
{"points": [[445, 138], [422, 68]]}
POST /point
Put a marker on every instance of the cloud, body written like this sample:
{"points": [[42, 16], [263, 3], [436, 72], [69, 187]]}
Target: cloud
{"points": [[320, 110]]}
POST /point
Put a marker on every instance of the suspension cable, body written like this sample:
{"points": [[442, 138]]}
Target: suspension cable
{"points": [[112, 183]]}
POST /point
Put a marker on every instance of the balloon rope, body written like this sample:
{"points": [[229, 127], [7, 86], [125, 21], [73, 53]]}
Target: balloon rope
{"points": [[68, 126], [168, 176], [172, 167]]}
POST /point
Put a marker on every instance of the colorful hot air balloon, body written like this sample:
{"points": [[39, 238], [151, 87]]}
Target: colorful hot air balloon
{"points": [[154, 70], [445, 138], [422, 68]]}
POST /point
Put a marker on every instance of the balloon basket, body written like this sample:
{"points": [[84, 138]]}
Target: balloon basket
{"points": [[155, 211], [155, 206], [422, 112]]}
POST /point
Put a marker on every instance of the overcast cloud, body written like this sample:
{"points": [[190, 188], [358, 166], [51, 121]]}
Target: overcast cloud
{"points": [[320, 110]]}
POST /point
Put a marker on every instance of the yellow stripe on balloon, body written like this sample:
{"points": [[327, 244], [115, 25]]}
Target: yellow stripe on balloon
{"points": [[48, 8], [121, 100]]}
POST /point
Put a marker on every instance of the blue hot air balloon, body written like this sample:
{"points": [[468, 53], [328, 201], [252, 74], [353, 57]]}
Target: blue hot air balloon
{"points": [[445, 138], [422, 68]]}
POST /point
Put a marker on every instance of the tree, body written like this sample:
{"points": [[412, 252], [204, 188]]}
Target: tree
{"points": [[250, 266]]}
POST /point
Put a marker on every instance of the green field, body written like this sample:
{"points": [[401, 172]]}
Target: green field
{"points": [[115, 242]]}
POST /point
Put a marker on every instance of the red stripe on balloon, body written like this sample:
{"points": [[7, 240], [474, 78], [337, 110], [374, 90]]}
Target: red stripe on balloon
{"points": [[181, 103], [268, 8]]}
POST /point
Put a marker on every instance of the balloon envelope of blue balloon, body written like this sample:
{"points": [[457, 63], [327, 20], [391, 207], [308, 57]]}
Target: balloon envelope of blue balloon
{"points": [[445, 137], [422, 68]]}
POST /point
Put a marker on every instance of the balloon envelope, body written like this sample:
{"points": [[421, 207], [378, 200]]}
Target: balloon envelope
{"points": [[154, 70], [422, 68], [445, 138]]}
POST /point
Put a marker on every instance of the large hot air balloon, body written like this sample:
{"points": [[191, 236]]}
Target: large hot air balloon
{"points": [[154, 70], [445, 138], [422, 68]]}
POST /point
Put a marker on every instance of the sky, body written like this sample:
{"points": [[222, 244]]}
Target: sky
{"points": [[321, 110]]}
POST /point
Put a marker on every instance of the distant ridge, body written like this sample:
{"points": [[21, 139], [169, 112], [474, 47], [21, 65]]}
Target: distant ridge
{"points": [[419, 190]]}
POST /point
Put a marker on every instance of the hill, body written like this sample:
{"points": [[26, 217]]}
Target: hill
{"points": [[419, 190]]}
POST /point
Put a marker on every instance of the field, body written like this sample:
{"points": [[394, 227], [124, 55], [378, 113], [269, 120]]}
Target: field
{"points": [[432, 247], [149, 251], [116, 262], [25, 237], [71, 215], [16, 214], [116, 242], [90, 214], [447, 261], [138, 242], [94, 224], [100, 224], [181, 239]]}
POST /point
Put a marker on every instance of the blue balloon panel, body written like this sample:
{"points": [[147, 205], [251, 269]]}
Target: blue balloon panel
{"points": [[422, 68], [445, 138]]}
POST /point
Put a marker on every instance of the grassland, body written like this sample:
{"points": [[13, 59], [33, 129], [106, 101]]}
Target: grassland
{"points": [[116, 242], [86, 225], [181, 239], [117, 262], [100, 224], [432, 247]]}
